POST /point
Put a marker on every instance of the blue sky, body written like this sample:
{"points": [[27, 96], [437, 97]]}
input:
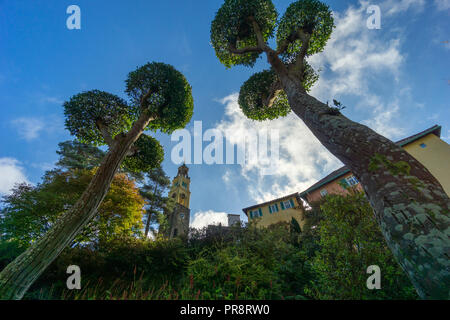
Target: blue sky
{"points": [[395, 79]]}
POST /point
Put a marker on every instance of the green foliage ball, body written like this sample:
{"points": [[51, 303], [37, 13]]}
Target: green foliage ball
{"points": [[254, 93], [256, 90], [231, 26], [149, 155], [83, 110], [313, 17], [170, 101]]}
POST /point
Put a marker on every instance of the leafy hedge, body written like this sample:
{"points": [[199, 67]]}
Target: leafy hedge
{"points": [[326, 260]]}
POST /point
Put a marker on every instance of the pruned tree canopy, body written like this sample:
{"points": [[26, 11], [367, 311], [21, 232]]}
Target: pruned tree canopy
{"points": [[164, 93], [239, 34], [262, 98], [91, 112], [148, 155], [307, 21], [96, 117], [232, 31]]}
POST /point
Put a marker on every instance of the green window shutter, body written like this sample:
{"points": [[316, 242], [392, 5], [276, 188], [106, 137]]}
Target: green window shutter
{"points": [[260, 212], [251, 215], [282, 205], [343, 183], [292, 203], [270, 209], [276, 207]]}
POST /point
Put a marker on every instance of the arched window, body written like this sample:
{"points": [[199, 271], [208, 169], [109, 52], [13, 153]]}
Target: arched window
{"points": [[175, 232]]}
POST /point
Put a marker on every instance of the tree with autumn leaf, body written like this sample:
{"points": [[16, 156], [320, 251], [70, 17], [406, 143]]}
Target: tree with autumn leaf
{"points": [[160, 98], [29, 212], [410, 205]]}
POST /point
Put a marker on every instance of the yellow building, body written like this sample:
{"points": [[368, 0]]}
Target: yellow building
{"points": [[277, 210], [426, 146], [179, 217], [433, 152]]}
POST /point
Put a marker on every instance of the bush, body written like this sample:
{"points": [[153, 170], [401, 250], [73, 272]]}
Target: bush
{"points": [[349, 242]]}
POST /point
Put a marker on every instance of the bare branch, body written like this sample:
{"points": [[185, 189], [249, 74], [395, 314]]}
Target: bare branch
{"points": [[234, 50], [132, 151], [305, 37], [275, 89], [284, 45], [272, 56], [298, 65], [104, 130], [145, 96], [259, 36]]}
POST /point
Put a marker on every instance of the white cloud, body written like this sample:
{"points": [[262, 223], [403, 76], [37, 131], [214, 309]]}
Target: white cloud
{"points": [[442, 4], [381, 122], [202, 219], [11, 173], [28, 128], [302, 161], [353, 55], [353, 60], [397, 6]]}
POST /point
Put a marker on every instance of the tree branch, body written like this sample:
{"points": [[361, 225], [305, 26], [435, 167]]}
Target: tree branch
{"points": [[132, 151], [104, 130], [272, 56], [274, 90], [305, 37], [234, 50], [284, 45], [299, 63], [259, 36], [145, 96]]}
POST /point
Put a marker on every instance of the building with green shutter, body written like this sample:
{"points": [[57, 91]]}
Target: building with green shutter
{"points": [[277, 210], [426, 146]]}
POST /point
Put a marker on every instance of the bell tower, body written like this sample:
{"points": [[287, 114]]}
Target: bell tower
{"points": [[180, 187], [178, 219]]}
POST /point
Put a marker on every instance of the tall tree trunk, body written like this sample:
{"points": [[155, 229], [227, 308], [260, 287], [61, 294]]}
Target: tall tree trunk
{"points": [[410, 205], [147, 225], [149, 215], [20, 274]]}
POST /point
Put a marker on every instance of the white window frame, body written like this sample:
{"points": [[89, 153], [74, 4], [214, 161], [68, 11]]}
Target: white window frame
{"points": [[352, 181], [273, 208], [324, 192]]}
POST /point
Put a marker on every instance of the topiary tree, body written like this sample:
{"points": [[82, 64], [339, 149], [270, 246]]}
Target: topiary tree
{"points": [[160, 99], [410, 205]]}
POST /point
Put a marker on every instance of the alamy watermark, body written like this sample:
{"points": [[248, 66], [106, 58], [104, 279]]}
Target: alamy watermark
{"points": [[254, 148], [74, 20], [374, 281], [374, 21], [74, 280]]}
